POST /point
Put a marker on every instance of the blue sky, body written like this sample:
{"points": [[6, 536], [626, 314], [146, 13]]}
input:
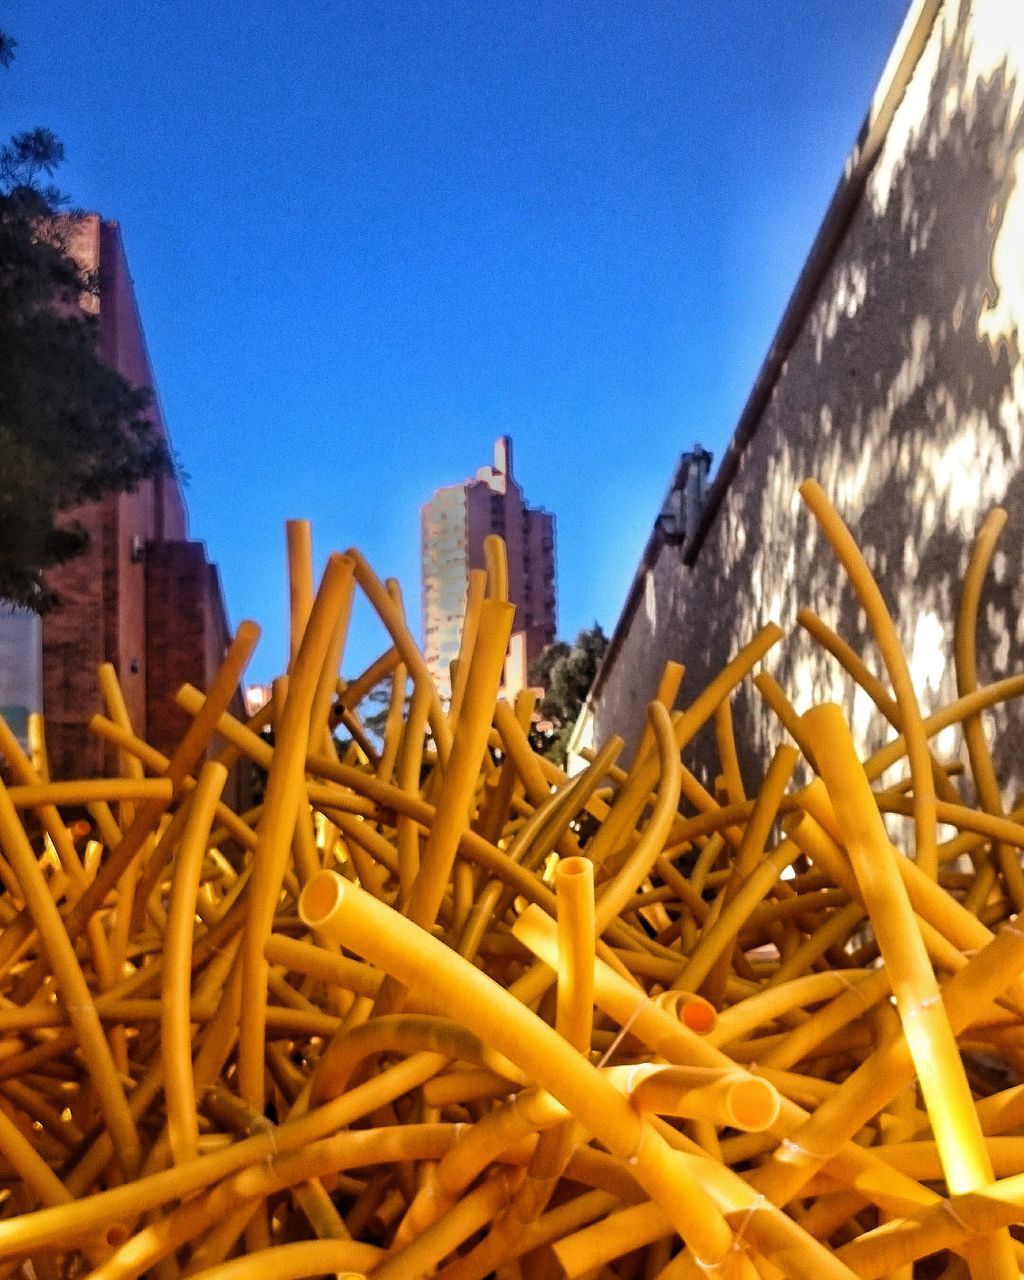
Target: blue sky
{"points": [[367, 238]]}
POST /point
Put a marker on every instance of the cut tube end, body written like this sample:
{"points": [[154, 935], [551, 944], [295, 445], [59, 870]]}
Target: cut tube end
{"points": [[320, 897], [754, 1105], [699, 1015]]}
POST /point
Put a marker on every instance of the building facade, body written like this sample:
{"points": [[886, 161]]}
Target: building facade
{"points": [[142, 596], [895, 380], [454, 524]]}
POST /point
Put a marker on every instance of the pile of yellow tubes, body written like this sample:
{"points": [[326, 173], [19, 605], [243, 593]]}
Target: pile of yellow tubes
{"points": [[433, 1008]]}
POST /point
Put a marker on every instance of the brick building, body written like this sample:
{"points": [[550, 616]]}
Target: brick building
{"points": [[454, 524], [142, 596]]}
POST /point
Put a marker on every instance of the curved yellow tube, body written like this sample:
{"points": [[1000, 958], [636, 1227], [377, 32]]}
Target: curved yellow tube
{"points": [[330, 904], [298, 1261], [496, 560], [284, 794], [965, 654], [176, 1047], [725, 1097], [74, 992], [476, 593], [188, 752], [614, 896], [931, 1042], [451, 817], [392, 618], [895, 661], [400, 1033]]}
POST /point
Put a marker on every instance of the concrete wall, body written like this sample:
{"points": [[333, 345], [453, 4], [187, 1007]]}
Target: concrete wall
{"points": [[900, 388]]}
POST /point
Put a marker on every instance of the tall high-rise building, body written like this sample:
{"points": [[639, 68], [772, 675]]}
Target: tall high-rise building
{"points": [[454, 524]]}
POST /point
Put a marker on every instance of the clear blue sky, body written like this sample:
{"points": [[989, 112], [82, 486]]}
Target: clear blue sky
{"points": [[368, 237]]}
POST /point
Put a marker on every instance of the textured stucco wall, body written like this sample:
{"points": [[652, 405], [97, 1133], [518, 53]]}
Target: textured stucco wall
{"points": [[904, 397]]}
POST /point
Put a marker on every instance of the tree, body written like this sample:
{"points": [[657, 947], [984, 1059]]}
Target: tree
{"points": [[71, 428], [565, 673]]}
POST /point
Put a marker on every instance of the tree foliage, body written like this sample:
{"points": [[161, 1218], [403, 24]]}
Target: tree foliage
{"points": [[71, 428], [565, 672]]}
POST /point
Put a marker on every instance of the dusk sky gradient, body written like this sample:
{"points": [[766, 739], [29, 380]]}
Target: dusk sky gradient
{"points": [[368, 238]]}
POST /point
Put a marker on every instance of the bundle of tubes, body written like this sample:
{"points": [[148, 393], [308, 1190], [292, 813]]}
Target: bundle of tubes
{"points": [[433, 1008]]}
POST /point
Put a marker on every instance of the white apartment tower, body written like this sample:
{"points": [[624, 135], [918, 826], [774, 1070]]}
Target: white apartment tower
{"points": [[454, 524]]}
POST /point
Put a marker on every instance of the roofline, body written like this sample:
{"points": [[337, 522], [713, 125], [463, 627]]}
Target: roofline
{"points": [[892, 84], [655, 542]]}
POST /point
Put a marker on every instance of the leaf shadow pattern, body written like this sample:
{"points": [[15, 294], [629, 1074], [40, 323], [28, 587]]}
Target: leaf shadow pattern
{"points": [[896, 398]]}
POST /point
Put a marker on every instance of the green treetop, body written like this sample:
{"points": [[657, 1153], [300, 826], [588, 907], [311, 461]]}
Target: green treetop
{"points": [[71, 428]]}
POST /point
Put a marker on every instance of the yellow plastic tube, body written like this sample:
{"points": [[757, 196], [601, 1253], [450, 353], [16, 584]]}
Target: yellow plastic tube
{"points": [[315, 962], [391, 616], [74, 991], [614, 896], [690, 721], [618, 1233], [223, 688], [393, 723], [965, 653], [80, 1219], [871, 1087], [574, 895], [718, 937], [451, 817], [534, 841], [176, 1039], [872, 686], [407, 777], [327, 685], [530, 1111], [299, 538], [423, 1254], [933, 905], [476, 592], [90, 790], [749, 854], [284, 794], [673, 1041], [970, 704], [953, 1223], [400, 1033], [396, 944], [866, 588], [725, 1097], [552, 1225], [574, 1019], [297, 1261], [49, 816], [769, 1004], [931, 1042]]}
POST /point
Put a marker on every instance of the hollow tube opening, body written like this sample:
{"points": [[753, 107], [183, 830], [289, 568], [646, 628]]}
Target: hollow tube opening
{"points": [[699, 1016], [754, 1104], [319, 898]]}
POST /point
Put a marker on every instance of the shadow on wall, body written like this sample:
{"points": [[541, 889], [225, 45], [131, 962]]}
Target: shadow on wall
{"points": [[904, 397]]}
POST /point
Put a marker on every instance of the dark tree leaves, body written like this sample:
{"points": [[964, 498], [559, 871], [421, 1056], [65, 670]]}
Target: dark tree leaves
{"points": [[71, 428], [565, 673]]}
